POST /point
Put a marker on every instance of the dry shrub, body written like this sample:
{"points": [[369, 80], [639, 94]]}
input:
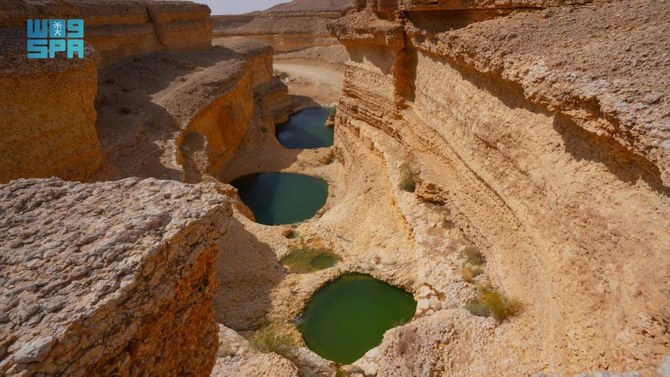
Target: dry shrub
{"points": [[470, 273], [490, 302], [408, 177], [272, 338], [473, 256]]}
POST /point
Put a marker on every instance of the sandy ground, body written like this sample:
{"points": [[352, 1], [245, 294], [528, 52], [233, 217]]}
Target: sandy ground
{"points": [[321, 83]]}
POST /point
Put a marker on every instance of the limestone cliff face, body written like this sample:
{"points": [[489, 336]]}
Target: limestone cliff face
{"points": [[224, 121], [288, 31], [107, 279], [48, 120], [544, 133], [119, 29], [181, 116]]}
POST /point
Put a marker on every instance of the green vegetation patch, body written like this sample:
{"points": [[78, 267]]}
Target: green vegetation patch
{"points": [[471, 272], [473, 256]]}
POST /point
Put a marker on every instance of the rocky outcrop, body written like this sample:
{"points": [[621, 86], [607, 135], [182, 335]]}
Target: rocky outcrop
{"points": [[48, 121], [59, 138], [543, 134], [236, 357], [119, 29], [224, 121], [106, 279], [181, 116], [288, 27], [288, 31], [419, 5]]}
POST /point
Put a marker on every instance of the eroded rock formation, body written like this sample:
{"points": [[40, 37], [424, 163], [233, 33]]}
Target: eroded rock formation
{"points": [[196, 107], [292, 26], [288, 31], [544, 135], [121, 275], [59, 136], [48, 120], [119, 29], [112, 278]]}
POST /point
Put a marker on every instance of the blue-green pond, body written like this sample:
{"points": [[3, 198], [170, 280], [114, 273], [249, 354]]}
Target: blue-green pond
{"points": [[282, 198], [306, 129]]}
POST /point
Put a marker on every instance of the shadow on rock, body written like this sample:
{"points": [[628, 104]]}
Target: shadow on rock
{"points": [[247, 271]]}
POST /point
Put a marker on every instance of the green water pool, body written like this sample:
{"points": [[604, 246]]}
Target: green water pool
{"points": [[306, 260], [349, 316], [282, 198], [306, 129]]}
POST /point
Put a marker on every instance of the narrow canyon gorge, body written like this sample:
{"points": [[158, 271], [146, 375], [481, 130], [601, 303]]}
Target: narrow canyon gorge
{"points": [[497, 169]]}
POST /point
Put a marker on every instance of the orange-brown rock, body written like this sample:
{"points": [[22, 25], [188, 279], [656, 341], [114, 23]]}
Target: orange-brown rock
{"points": [[287, 27], [58, 137], [48, 121], [119, 29], [179, 116]]}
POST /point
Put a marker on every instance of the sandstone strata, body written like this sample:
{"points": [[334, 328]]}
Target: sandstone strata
{"points": [[288, 27], [180, 116], [542, 136], [118, 29], [59, 137], [111, 278], [48, 120], [288, 31]]}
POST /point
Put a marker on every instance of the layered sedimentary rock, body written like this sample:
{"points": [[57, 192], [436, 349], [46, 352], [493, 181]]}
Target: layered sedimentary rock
{"points": [[419, 5], [225, 120], [106, 279], [118, 29], [288, 31], [58, 137], [292, 26], [541, 127], [179, 116], [48, 120]]}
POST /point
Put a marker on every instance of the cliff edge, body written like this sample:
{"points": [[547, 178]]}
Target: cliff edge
{"points": [[112, 278]]}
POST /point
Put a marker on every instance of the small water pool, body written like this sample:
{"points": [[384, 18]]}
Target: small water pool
{"points": [[306, 260], [306, 129], [282, 198], [349, 316]]}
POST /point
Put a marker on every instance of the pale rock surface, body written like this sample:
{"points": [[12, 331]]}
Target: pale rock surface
{"points": [[551, 163], [119, 29], [59, 138], [236, 358], [108, 278], [287, 27], [182, 116]]}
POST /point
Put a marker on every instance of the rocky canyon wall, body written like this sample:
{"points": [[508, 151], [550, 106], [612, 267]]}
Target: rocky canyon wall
{"points": [[112, 278], [48, 120], [542, 128], [224, 121], [287, 31], [181, 116], [123, 28], [59, 137]]}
